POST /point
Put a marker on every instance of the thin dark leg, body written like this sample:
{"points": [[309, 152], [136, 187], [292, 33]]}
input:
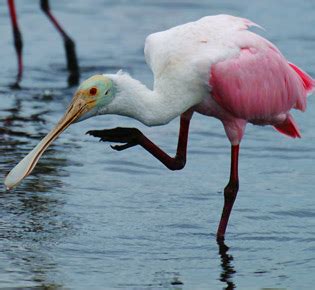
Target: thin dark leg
{"points": [[173, 163], [132, 137], [18, 43], [230, 193], [72, 62]]}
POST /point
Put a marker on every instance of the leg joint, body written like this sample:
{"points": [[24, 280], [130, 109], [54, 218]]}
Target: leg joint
{"points": [[18, 43], [177, 164], [230, 191]]}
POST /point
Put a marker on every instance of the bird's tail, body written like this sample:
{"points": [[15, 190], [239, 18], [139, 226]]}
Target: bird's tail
{"points": [[289, 127], [308, 82]]}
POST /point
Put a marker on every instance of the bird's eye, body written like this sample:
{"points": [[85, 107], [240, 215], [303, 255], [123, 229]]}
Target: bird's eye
{"points": [[107, 92], [93, 91]]}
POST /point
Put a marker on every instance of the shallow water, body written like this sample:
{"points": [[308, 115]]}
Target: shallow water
{"points": [[92, 217]]}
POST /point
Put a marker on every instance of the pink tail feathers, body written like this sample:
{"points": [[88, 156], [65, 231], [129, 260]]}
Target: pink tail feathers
{"points": [[308, 82], [289, 128]]}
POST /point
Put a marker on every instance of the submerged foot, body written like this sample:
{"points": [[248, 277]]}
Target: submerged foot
{"points": [[15, 86]]}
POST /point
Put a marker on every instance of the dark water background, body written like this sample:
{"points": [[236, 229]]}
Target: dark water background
{"points": [[92, 217]]}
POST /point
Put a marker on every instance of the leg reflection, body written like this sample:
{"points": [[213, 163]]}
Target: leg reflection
{"points": [[226, 264]]}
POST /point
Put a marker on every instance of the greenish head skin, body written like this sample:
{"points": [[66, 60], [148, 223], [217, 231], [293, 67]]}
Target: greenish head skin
{"points": [[97, 92]]}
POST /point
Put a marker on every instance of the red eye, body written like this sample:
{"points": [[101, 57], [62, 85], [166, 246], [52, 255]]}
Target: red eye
{"points": [[93, 91]]}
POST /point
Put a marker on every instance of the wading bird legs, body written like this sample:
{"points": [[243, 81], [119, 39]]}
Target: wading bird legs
{"points": [[230, 192], [72, 62], [18, 42], [132, 137]]}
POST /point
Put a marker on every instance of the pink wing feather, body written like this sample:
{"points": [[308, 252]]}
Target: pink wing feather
{"points": [[259, 84]]}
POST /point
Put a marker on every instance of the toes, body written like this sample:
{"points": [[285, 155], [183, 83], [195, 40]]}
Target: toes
{"points": [[101, 133], [122, 147], [119, 135], [117, 147], [94, 133]]}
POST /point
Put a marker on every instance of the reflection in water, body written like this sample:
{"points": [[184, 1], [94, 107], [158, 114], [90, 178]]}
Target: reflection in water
{"points": [[226, 264], [14, 118], [29, 227], [167, 279], [32, 220]]}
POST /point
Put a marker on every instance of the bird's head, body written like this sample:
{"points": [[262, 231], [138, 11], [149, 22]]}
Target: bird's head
{"points": [[90, 98]]}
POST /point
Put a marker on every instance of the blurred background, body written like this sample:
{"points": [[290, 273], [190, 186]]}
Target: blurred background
{"points": [[92, 217]]}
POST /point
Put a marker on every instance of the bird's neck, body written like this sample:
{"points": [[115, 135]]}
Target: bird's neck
{"points": [[150, 107]]}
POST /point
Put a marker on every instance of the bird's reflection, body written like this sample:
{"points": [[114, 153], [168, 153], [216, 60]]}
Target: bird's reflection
{"points": [[227, 266]]}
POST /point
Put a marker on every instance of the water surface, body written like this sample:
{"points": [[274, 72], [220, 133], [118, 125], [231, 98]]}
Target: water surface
{"points": [[92, 217]]}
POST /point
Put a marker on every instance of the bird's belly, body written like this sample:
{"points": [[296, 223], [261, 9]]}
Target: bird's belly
{"points": [[271, 120], [209, 107]]}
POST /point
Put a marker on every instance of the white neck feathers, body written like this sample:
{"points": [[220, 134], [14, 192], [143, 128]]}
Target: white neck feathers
{"points": [[135, 100]]}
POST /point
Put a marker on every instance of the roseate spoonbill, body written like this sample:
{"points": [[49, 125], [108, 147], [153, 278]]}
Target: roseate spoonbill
{"points": [[72, 63], [213, 66]]}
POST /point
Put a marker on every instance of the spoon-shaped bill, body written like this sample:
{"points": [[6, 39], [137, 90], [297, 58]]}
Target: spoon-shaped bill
{"points": [[27, 164]]}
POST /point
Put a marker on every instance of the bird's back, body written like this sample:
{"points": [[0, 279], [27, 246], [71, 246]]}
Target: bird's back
{"points": [[194, 45], [245, 73]]}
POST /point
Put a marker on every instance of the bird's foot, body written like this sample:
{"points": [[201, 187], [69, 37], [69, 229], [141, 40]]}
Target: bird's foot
{"points": [[129, 136], [15, 86]]}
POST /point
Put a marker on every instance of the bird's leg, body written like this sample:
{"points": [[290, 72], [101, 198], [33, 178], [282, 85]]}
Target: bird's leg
{"points": [[72, 62], [18, 43], [132, 137], [230, 192]]}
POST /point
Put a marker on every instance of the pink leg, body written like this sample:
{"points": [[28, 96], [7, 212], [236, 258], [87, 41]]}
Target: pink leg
{"points": [[230, 193], [18, 43], [133, 137], [72, 62], [173, 163]]}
